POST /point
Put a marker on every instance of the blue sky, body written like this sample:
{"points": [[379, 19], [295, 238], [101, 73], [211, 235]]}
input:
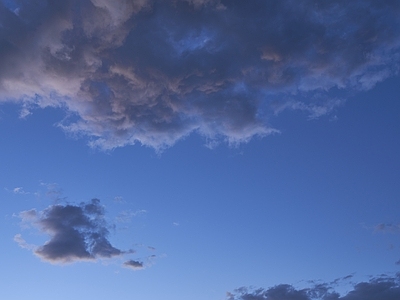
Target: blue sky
{"points": [[200, 149]]}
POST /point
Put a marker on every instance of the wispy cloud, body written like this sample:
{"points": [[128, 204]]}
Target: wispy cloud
{"points": [[77, 233], [127, 215], [387, 227], [153, 71], [22, 243], [377, 288], [19, 190], [53, 191], [118, 199]]}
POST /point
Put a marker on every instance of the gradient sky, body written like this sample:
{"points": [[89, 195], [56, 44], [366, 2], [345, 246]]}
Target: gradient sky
{"points": [[200, 149]]}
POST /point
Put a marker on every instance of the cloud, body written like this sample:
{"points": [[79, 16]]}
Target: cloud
{"points": [[53, 191], [22, 243], [387, 227], [20, 190], [118, 199], [127, 215], [378, 288], [153, 71], [133, 264], [77, 232]]}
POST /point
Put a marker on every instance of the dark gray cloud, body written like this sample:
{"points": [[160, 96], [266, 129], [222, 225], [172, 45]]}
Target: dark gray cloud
{"points": [[154, 71], [378, 288], [77, 232], [133, 264]]}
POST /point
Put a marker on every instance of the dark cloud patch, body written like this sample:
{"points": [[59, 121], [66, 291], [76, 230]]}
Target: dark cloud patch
{"points": [[77, 232], [154, 71], [378, 288], [133, 264]]}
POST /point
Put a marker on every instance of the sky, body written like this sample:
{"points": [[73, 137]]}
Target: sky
{"points": [[200, 149]]}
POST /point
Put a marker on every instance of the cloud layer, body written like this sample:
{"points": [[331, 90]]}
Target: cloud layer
{"points": [[154, 71], [77, 232], [378, 288]]}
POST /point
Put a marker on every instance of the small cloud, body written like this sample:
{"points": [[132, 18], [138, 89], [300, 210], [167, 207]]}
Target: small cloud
{"points": [[22, 243], [19, 190], [387, 227], [127, 215], [25, 111], [142, 263], [175, 223], [348, 277], [54, 192], [341, 279], [315, 109], [118, 199], [77, 233], [134, 265]]}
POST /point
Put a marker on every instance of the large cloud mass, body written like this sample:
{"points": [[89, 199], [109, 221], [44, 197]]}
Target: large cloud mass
{"points": [[153, 71]]}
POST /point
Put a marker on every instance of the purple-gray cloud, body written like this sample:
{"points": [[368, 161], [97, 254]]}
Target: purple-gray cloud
{"points": [[378, 288], [77, 232], [134, 265], [155, 71]]}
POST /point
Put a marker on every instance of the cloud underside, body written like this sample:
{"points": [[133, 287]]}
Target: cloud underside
{"points": [[378, 288], [77, 233], [154, 71]]}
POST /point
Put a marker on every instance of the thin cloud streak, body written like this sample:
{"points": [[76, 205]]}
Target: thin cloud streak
{"points": [[20, 190], [153, 71], [127, 215]]}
